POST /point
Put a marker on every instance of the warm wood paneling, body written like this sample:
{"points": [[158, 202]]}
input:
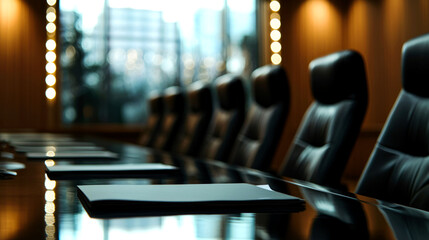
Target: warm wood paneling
{"points": [[375, 28], [22, 62]]}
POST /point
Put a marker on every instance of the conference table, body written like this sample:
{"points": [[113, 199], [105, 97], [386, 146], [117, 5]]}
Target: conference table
{"points": [[32, 206]]}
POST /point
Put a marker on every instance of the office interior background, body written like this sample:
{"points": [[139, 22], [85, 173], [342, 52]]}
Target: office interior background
{"points": [[109, 56]]}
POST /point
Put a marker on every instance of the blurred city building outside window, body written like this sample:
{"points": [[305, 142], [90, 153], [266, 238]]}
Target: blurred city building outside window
{"points": [[113, 53]]}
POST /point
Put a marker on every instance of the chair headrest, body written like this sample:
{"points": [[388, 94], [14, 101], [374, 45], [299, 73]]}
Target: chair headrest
{"points": [[415, 66], [338, 76], [270, 85], [174, 99], [230, 92], [200, 97]]}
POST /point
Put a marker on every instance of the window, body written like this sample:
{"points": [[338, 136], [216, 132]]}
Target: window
{"points": [[113, 53]]}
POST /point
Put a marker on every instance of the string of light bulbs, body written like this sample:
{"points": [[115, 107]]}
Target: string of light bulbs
{"points": [[275, 34], [51, 44]]}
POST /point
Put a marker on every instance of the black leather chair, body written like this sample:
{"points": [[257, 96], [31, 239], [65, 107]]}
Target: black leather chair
{"points": [[398, 168], [199, 117], [154, 121], [174, 118], [228, 118], [263, 126], [331, 124]]}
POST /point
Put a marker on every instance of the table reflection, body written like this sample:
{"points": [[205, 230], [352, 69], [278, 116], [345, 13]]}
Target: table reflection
{"points": [[406, 222], [338, 217]]}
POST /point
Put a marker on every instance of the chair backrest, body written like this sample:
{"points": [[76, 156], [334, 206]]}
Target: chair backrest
{"points": [[175, 114], [228, 117], [154, 120], [264, 123], [398, 168], [200, 112], [331, 124]]}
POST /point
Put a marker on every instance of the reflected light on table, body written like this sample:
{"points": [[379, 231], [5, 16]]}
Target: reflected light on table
{"points": [[50, 153], [49, 208], [49, 184], [50, 196], [241, 227], [324, 206], [170, 227], [49, 163], [51, 148]]}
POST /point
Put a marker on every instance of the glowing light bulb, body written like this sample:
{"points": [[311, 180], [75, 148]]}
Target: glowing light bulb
{"points": [[275, 35], [51, 10], [276, 58], [275, 15], [51, 2], [51, 44], [51, 67], [274, 6], [50, 93], [51, 16], [276, 47], [50, 56], [275, 23], [50, 27], [50, 80]]}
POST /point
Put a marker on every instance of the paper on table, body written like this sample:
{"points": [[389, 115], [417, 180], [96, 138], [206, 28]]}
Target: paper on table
{"points": [[74, 155], [50, 143], [57, 149], [146, 170]]}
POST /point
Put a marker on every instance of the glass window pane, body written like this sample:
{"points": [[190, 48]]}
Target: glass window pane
{"points": [[115, 52]]}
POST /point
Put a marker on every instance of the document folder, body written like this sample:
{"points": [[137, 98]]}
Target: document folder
{"points": [[41, 149], [72, 155], [94, 171], [112, 201], [49, 143]]}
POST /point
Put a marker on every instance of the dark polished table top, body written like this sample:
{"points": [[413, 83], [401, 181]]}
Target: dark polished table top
{"points": [[34, 207]]}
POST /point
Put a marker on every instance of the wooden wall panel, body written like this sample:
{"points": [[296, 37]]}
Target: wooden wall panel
{"points": [[22, 50], [375, 28]]}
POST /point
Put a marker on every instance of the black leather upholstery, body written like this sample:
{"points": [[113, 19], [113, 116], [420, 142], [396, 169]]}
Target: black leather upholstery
{"points": [[175, 114], [228, 118], [330, 127], [415, 60], [197, 122], [258, 140], [398, 168], [154, 121]]}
